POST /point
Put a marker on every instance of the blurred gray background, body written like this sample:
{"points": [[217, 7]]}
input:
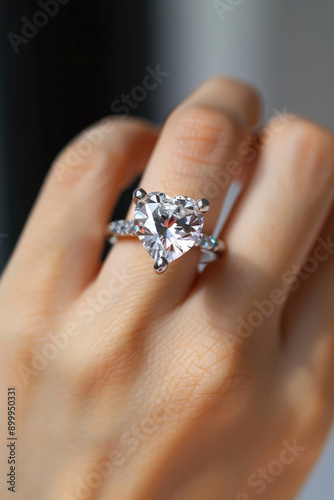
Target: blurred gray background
{"points": [[285, 48]]}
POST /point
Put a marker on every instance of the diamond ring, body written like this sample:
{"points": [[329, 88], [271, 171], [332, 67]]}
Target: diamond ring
{"points": [[167, 227]]}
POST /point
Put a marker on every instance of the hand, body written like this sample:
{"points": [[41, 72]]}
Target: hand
{"points": [[134, 386]]}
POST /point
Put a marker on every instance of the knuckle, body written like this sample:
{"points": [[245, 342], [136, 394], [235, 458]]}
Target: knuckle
{"points": [[202, 135], [206, 375], [78, 160], [31, 351], [26, 325], [312, 151], [103, 144], [91, 370], [315, 417], [311, 404]]}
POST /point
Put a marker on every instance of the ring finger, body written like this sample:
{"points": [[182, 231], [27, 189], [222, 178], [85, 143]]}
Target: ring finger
{"points": [[197, 146]]}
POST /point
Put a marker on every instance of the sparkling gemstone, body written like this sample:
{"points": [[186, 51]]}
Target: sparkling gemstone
{"points": [[168, 227]]}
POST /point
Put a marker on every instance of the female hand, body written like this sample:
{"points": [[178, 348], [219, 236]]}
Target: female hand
{"points": [[136, 386]]}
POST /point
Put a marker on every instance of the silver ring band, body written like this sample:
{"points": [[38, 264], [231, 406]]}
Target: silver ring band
{"points": [[119, 228]]}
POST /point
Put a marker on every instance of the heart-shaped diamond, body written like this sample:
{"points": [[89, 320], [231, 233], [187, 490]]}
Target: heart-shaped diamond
{"points": [[168, 227]]}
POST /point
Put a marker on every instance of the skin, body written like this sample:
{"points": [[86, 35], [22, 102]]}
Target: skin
{"points": [[134, 386]]}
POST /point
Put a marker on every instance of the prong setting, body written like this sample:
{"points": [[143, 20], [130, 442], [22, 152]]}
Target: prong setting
{"points": [[167, 227], [138, 194], [161, 265], [203, 205]]}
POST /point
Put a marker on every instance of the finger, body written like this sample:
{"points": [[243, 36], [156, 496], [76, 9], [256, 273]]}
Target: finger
{"points": [[197, 145], [277, 219], [61, 245], [309, 323], [198, 141], [306, 367]]}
